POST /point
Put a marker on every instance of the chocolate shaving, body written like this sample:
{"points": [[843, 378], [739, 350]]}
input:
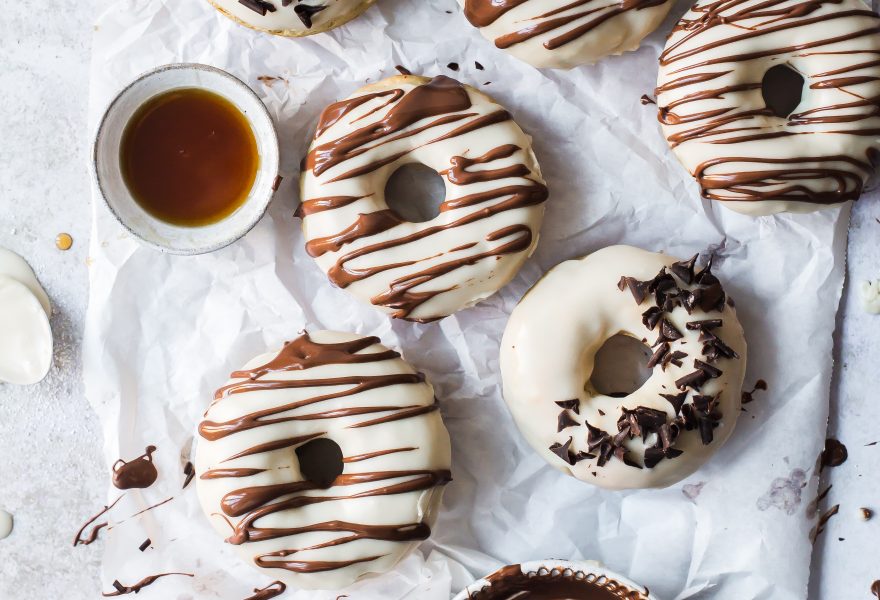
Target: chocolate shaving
{"points": [[260, 7], [669, 332], [651, 317], [712, 298], [189, 472], [305, 13], [676, 400], [674, 358], [705, 277], [712, 372], [583, 456], [823, 521], [639, 289], [704, 325], [693, 380], [684, 270], [659, 354], [561, 450], [565, 421], [573, 404], [145, 544]]}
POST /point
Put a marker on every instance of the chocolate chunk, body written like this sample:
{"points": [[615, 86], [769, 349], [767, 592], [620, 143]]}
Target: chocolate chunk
{"points": [[595, 436], [659, 354], [260, 7], [704, 325], [403, 70], [674, 358], [478, 66], [583, 456], [712, 298], [306, 12], [146, 544], [561, 450], [639, 289], [684, 270], [565, 421], [622, 435], [834, 454], [573, 404], [651, 317], [676, 400], [694, 380], [653, 456], [705, 277], [673, 452], [706, 430], [708, 369], [669, 332], [453, 66]]}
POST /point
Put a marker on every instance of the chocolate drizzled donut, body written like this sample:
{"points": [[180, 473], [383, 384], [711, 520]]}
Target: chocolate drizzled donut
{"points": [[487, 224], [256, 466], [774, 105]]}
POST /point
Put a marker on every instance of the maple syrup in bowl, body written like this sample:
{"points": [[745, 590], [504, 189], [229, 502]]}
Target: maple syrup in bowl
{"points": [[186, 158]]}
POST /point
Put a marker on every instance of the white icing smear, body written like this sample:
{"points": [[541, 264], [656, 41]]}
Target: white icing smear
{"points": [[14, 266], [5, 524], [869, 291], [25, 335]]}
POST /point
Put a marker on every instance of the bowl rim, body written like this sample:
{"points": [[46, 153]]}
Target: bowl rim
{"points": [[274, 152], [585, 566]]}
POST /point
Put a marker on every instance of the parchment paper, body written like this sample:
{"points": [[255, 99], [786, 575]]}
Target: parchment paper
{"points": [[163, 332]]}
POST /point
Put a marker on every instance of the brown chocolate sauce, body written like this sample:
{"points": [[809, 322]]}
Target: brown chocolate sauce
{"points": [[510, 583], [138, 473], [122, 590], [276, 588]]}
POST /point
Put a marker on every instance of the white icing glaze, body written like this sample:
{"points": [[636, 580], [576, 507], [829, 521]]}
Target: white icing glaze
{"points": [[488, 223], [711, 106], [285, 21], [870, 294], [413, 444], [536, 31], [14, 266], [547, 356], [25, 335], [5, 524]]}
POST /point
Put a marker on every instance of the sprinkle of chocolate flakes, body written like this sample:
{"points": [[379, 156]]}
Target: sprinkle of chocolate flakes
{"points": [[704, 325], [749, 396], [834, 454], [565, 421], [639, 289], [189, 472], [659, 355], [676, 400], [453, 66], [561, 450], [403, 70], [260, 7], [694, 380], [573, 404], [668, 333], [277, 183], [306, 12], [479, 66], [146, 544], [652, 316], [673, 357], [645, 99]]}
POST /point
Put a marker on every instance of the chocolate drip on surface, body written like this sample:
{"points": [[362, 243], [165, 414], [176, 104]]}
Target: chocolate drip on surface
{"points": [[93, 534], [276, 588], [254, 502], [121, 590], [138, 473], [810, 178]]}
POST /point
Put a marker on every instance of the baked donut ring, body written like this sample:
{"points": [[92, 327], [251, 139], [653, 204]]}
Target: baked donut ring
{"points": [[756, 154], [292, 18], [561, 34], [323, 462], [488, 222], [666, 429]]}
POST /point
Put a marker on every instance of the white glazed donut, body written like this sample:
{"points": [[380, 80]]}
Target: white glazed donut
{"points": [[270, 483], [671, 425], [292, 18], [713, 112], [561, 34], [488, 222]]}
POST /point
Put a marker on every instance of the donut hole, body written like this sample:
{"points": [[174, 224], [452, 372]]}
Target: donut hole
{"points": [[415, 192], [320, 461], [620, 366], [782, 89]]}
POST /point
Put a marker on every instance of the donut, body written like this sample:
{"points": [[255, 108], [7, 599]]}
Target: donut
{"points": [[488, 221], [323, 462], [667, 428], [727, 96], [292, 18], [561, 34], [555, 580]]}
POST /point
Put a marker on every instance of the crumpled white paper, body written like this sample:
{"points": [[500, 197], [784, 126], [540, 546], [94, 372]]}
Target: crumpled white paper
{"points": [[163, 332]]}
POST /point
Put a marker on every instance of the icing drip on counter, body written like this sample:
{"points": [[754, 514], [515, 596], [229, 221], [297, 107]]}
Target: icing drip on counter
{"points": [[255, 495]]}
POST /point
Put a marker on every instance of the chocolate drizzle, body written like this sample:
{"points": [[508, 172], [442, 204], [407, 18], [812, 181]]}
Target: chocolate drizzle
{"points": [[138, 473], [122, 590], [78, 539], [441, 102], [710, 44], [251, 503], [276, 588]]}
